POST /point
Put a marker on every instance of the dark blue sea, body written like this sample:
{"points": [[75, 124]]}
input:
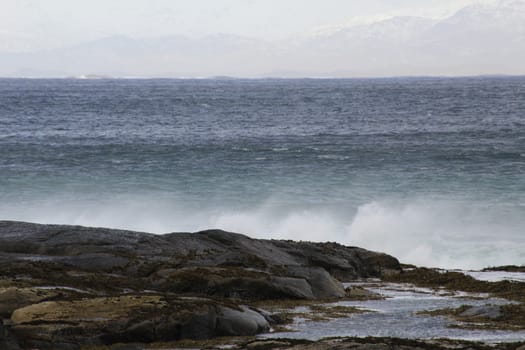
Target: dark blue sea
{"points": [[431, 170]]}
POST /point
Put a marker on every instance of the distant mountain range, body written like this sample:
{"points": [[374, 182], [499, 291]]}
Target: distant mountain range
{"points": [[478, 39]]}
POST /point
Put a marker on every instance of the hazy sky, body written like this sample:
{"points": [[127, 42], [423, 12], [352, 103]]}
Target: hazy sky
{"points": [[37, 24], [314, 38]]}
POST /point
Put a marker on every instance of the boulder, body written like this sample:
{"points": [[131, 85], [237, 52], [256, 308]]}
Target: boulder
{"points": [[292, 287], [242, 321], [323, 285]]}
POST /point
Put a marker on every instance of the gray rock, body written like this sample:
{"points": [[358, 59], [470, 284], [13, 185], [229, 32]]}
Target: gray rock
{"points": [[294, 288], [233, 283], [244, 321], [323, 285], [7, 341], [300, 269], [105, 272], [202, 325], [100, 247], [95, 262]]}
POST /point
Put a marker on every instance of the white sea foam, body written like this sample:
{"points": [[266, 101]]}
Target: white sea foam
{"points": [[332, 157], [423, 232], [495, 276]]}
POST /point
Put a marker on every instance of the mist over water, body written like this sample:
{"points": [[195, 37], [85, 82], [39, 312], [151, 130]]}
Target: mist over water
{"points": [[429, 170]]}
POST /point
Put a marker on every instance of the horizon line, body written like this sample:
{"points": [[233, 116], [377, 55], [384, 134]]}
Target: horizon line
{"points": [[226, 77]]}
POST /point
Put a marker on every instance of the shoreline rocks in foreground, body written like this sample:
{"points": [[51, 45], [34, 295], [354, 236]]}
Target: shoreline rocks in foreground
{"points": [[66, 286], [346, 343]]}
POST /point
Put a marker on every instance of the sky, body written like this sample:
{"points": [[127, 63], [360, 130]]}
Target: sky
{"points": [[29, 25]]}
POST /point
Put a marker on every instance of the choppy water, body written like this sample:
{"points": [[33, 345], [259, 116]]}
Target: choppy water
{"points": [[430, 170], [399, 316]]}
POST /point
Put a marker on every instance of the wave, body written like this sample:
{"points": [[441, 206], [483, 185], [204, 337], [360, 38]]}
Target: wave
{"points": [[438, 233], [442, 234]]}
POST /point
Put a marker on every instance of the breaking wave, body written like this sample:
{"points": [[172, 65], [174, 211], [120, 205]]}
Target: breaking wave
{"points": [[438, 233]]}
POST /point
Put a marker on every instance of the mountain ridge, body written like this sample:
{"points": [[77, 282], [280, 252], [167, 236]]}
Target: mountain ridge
{"points": [[476, 40]]}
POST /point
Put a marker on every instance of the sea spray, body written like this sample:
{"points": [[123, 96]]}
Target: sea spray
{"points": [[442, 233]]}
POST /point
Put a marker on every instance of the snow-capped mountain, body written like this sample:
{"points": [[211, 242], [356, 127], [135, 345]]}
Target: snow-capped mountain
{"points": [[478, 39]]}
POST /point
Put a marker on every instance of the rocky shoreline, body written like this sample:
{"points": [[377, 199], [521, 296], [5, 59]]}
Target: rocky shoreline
{"points": [[341, 343], [62, 287], [71, 287]]}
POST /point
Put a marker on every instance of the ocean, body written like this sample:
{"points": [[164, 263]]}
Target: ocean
{"points": [[430, 170]]}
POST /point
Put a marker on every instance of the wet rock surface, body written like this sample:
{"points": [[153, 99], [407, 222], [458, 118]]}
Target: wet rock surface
{"points": [[485, 311], [389, 344], [341, 343], [503, 317], [66, 286], [457, 281]]}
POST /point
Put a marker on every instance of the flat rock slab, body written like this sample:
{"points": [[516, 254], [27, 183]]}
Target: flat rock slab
{"points": [[111, 261], [100, 248]]}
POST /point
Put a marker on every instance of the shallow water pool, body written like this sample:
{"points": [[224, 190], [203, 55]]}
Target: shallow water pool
{"points": [[397, 316]]}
